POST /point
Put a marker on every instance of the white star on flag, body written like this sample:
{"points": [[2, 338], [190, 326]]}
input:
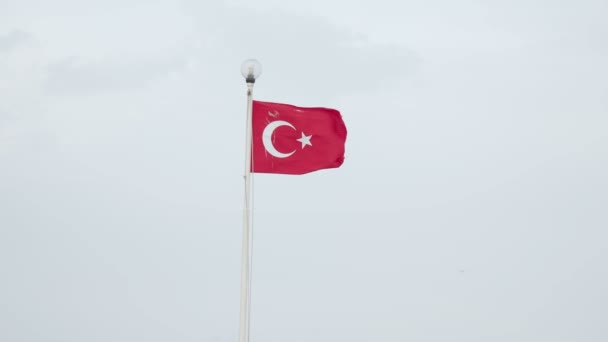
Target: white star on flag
{"points": [[305, 140]]}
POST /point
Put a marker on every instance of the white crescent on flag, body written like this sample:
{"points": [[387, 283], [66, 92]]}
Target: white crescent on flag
{"points": [[267, 138]]}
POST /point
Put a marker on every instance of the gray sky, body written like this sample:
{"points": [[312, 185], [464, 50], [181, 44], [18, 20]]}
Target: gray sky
{"points": [[471, 205]]}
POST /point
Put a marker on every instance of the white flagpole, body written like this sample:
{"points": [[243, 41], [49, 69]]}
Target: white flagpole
{"points": [[250, 69]]}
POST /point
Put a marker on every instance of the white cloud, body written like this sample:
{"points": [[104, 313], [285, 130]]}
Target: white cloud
{"points": [[13, 39]]}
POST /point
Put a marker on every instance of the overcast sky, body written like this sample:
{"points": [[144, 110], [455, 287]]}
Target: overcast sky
{"points": [[472, 205]]}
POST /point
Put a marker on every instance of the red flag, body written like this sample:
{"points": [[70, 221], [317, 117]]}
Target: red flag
{"points": [[296, 140]]}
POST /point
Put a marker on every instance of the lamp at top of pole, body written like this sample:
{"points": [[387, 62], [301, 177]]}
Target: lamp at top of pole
{"points": [[251, 70]]}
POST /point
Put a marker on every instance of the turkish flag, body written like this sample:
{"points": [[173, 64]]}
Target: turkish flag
{"points": [[296, 140]]}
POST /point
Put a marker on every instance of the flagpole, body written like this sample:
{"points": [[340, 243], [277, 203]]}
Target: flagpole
{"points": [[250, 69]]}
